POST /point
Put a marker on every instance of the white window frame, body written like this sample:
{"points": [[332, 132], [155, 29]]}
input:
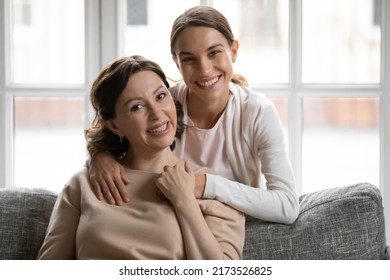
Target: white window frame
{"points": [[104, 33], [384, 182], [9, 91], [295, 91]]}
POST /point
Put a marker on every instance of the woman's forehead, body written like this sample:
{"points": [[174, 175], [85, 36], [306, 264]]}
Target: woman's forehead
{"points": [[197, 36], [143, 83]]}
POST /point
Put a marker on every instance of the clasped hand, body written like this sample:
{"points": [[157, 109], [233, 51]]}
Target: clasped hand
{"points": [[177, 182]]}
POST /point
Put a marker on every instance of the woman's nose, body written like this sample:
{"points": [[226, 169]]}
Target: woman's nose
{"points": [[155, 111], [205, 66]]}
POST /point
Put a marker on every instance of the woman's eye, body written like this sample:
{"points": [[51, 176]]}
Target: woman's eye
{"points": [[161, 96], [136, 107], [214, 53], [187, 59]]}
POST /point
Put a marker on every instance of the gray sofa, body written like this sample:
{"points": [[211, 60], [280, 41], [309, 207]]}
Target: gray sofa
{"points": [[338, 223]]}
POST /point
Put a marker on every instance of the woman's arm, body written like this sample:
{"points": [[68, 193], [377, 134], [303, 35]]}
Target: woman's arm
{"points": [[255, 145], [273, 205], [177, 183], [59, 243]]}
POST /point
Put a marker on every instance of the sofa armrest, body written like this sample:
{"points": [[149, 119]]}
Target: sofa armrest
{"points": [[337, 223], [24, 215]]}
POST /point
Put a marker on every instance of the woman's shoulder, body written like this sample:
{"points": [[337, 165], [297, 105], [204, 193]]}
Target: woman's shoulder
{"points": [[75, 186], [252, 104], [179, 91], [79, 178], [249, 97]]}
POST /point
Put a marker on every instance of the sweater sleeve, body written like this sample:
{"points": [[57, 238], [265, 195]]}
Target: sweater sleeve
{"points": [[227, 226], [59, 242], [270, 205]]}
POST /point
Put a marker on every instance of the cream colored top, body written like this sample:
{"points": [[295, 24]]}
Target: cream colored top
{"points": [[82, 227], [255, 151]]}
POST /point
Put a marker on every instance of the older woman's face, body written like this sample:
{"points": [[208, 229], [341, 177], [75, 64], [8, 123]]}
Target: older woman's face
{"points": [[146, 113]]}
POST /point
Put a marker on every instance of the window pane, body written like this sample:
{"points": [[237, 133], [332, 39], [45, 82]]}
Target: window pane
{"points": [[261, 27], [341, 41], [340, 142], [47, 41], [148, 31], [49, 141], [263, 53]]}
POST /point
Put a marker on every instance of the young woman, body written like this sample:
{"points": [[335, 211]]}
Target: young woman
{"points": [[135, 119], [229, 128]]}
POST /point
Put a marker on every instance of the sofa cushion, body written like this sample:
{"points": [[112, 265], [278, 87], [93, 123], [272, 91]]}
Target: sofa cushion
{"points": [[24, 215], [337, 223]]}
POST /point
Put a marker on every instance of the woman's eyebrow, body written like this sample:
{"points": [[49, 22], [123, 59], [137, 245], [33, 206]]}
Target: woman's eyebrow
{"points": [[158, 89], [208, 49], [140, 98]]}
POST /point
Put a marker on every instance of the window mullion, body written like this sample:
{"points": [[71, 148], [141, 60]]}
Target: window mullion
{"points": [[3, 122], [7, 140], [110, 31], [385, 115], [294, 100], [206, 2], [93, 59], [340, 91], [6, 112]]}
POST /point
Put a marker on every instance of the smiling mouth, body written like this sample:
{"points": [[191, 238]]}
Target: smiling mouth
{"points": [[208, 83], [159, 129]]}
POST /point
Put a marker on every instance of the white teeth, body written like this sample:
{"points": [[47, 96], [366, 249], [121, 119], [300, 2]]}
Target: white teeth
{"points": [[209, 83], [159, 129]]}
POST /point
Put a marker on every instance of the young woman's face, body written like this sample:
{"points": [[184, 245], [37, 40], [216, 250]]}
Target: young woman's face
{"points": [[205, 61], [145, 113]]}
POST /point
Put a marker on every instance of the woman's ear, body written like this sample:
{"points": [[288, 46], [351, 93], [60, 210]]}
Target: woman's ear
{"points": [[234, 48], [111, 125]]}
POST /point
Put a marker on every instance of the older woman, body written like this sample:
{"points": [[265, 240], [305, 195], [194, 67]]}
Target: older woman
{"points": [[136, 121]]}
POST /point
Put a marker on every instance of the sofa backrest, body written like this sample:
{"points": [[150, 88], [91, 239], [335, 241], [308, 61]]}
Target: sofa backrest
{"points": [[24, 215], [337, 223]]}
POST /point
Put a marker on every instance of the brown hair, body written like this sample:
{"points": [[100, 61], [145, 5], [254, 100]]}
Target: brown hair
{"points": [[208, 17], [104, 94]]}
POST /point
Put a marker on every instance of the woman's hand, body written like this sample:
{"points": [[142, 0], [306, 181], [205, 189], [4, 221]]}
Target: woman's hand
{"points": [[177, 182], [108, 179]]}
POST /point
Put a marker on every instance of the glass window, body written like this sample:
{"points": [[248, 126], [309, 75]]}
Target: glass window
{"points": [[152, 39], [261, 27], [49, 141], [137, 12], [341, 41], [340, 142], [264, 49], [47, 42], [47, 50]]}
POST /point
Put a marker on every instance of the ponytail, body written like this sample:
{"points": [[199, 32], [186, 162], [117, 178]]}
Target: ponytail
{"points": [[239, 80]]}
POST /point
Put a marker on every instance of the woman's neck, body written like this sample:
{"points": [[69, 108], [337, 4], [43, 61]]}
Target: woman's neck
{"points": [[151, 162], [205, 114]]}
